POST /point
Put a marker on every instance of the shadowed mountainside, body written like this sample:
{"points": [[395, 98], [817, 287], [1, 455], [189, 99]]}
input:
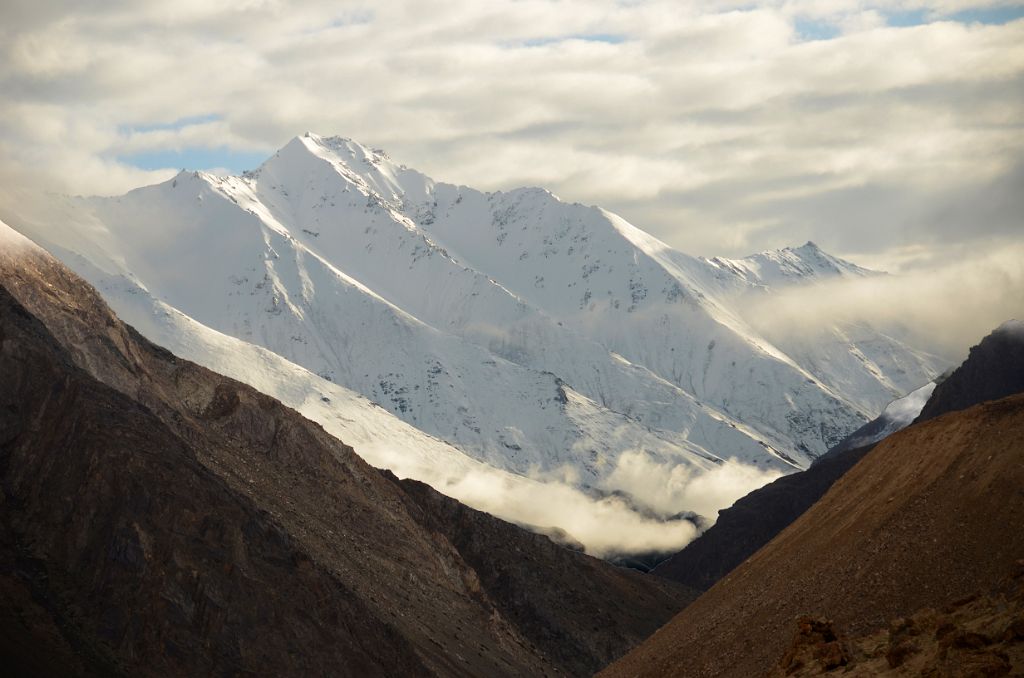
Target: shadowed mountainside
{"points": [[994, 369], [753, 521], [932, 514], [160, 519]]}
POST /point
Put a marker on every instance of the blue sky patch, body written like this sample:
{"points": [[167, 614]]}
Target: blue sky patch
{"points": [[818, 29], [989, 15], [180, 123], [902, 19], [810, 30], [609, 38], [194, 158]]}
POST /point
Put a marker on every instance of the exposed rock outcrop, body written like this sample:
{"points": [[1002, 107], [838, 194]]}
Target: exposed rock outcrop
{"points": [[979, 635]]}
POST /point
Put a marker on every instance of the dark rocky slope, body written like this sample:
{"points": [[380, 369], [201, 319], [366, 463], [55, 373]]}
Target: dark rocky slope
{"points": [[994, 369], [137, 557], [543, 601], [931, 515], [160, 519]]}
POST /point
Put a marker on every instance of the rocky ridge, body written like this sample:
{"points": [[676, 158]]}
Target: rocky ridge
{"points": [[161, 519]]}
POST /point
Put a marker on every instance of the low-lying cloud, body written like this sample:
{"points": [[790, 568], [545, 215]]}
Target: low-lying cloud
{"points": [[646, 519], [606, 527], [669, 489], [945, 307]]}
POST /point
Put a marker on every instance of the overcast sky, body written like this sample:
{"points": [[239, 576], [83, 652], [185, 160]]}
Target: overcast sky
{"points": [[888, 132]]}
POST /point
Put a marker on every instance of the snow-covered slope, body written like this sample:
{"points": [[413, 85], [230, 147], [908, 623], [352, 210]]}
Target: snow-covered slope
{"points": [[897, 415], [607, 525], [538, 337], [789, 266]]}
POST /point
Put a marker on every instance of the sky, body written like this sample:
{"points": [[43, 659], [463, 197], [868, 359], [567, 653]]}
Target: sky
{"points": [[889, 132]]}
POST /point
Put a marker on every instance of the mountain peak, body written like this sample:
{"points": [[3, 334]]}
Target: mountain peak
{"points": [[368, 169], [343, 148], [792, 265], [453, 308]]}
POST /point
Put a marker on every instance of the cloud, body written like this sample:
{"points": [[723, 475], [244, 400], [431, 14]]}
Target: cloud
{"points": [[637, 509], [718, 125], [944, 306], [640, 516], [669, 489], [607, 526], [641, 513]]}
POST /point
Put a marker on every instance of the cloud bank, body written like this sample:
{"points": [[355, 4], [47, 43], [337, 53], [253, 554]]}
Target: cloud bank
{"points": [[723, 127], [945, 308], [613, 525]]}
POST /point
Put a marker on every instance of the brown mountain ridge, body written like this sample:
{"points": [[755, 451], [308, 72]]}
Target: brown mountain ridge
{"points": [[160, 519], [931, 515]]}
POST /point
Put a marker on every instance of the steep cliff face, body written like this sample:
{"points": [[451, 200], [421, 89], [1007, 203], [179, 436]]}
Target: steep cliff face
{"points": [[160, 519], [932, 514]]}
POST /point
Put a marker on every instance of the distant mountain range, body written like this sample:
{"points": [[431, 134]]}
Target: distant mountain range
{"points": [[443, 330]]}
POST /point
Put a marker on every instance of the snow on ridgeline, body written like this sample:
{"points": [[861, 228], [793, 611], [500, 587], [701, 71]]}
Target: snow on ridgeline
{"points": [[542, 338], [790, 265], [606, 526], [897, 415]]}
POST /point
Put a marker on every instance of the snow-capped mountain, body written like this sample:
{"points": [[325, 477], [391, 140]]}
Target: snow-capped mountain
{"points": [[897, 415], [535, 336], [789, 266]]}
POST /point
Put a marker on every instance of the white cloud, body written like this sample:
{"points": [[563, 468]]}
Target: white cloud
{"points": [[712, 124], [668, 489], [944, 306], [643, 520], [607, 527]]}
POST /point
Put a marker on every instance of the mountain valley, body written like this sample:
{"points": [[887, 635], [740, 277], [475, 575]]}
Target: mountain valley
{"points": [[513, 336]]}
